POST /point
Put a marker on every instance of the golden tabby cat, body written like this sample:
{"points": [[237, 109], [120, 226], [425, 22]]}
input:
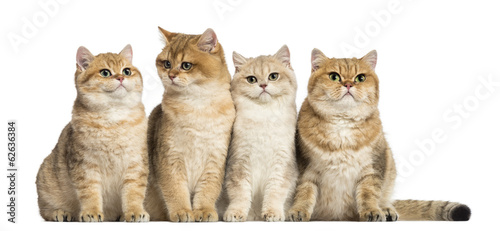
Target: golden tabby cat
{"points": [[347, 168], [98, 169], [189, 132]]}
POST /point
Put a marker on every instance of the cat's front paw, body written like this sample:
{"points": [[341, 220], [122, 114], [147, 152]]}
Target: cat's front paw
{"points": [[182, 215], [61, 215], [91, 216], [136, 216], [273, 215], [373, 214], [390, 214], [233, 215], [299, 215], [205, 215]]}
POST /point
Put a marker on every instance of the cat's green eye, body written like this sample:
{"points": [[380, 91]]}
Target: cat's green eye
{"points": [[186, 66], [360, 78], [167, 64], [274, 76], [251, 79], [127, 71], [334, 76], [105, 73]]}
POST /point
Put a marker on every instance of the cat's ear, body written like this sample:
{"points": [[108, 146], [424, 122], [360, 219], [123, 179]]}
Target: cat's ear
{"points": [[371, 59], [208, 41], [238, 60], [83, 58], [317, 57], [127, 53], [283, 55], [166, 36]]}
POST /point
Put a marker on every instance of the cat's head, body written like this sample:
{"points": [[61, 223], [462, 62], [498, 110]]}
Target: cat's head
{"points": [[344, 86], [108, 77], [190, 60], [265, 77]]}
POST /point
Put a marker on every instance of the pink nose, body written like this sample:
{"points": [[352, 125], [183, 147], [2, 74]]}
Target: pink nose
{"points": [[172, 77], [120, 79], [263, 86], [348, 85]]}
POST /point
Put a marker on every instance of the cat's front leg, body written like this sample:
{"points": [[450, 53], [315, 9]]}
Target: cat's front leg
{"points": [[87, 181], [208, 188], [304, 201], [172, 179], [368, 193], [133, 191], [276, 191], [239, 188]]}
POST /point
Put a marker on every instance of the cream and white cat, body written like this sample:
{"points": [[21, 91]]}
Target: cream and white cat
{"points": [[261, 168]]}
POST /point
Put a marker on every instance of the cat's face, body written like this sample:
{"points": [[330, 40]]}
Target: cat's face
{"points": [[344, 84], [188, 60], [107, 75], [264, 78]]}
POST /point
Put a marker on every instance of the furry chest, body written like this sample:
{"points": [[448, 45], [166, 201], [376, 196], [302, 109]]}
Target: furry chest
{"points": [[337, 183], [198, 143]]}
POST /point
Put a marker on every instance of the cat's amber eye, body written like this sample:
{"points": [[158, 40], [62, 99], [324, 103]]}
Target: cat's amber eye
{"points": [[274, 76], [105, 73], [251, 79], [127, 71], [167, 64], [334, 76], [360, 78], [186, 66]]}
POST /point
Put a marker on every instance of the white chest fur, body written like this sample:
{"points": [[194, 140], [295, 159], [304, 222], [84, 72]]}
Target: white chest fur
{"points": [[264, 135]]}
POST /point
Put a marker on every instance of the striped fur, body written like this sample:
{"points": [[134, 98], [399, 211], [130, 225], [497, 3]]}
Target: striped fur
{"points": [[414, 210], [189, 131], [347, 170], [98, 169]]}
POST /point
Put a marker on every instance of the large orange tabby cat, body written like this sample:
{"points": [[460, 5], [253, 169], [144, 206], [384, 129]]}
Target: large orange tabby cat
{"points": [[98, 169], [347, 168], [189, 132]]}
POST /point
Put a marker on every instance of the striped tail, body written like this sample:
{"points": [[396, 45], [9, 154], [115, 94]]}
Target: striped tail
{"points": [[415, 210]]}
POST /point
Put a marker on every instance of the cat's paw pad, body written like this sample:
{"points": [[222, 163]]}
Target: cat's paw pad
{"points": [[233, 215], [205, 215], [61, 215], [136, 216], [374, 214], [273, 215], [91, 216], [298, 215], [390, 214], [182, 215]]}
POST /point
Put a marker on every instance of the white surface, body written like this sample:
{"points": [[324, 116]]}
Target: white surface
{"points": [[432, 56]]}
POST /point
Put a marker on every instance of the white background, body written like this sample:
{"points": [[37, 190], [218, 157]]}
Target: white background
{"points": [[432, 56]]}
